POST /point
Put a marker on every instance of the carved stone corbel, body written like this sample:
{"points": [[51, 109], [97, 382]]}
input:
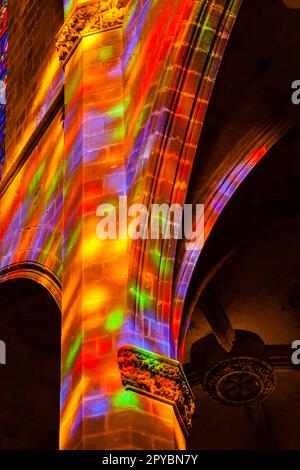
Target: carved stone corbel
{"points": [[158, 377], [88, 18]]}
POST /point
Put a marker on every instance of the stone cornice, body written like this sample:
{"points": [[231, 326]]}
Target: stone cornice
{"points": [[159, 377], [88, 18]]}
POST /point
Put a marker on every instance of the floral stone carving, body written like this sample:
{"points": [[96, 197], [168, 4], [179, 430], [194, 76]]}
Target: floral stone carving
{"points": [[88, 18], [159, 377]]}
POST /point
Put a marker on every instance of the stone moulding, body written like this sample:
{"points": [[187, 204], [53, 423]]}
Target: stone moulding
{"points": [[88, 18], [158, 377]]}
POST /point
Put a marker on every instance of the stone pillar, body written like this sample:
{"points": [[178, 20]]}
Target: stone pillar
{"points": [[98, 411], [95, 271], [164, 401]]}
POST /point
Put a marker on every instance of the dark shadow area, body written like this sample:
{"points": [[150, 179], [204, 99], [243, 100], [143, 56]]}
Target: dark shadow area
{"points": [[30, 326], [259, 65], [255, 290]]}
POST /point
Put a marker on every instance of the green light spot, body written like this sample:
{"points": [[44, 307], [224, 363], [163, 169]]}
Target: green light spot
{"points": [[143, 298], [73, 240], [125, 399], [36, 179], [53, 185], [166, 266], [119, 133], [73, 352], [59, 271], [47, 248], [155, 256], [72, 88], [115, 320], [116, 112], [106, 53]]}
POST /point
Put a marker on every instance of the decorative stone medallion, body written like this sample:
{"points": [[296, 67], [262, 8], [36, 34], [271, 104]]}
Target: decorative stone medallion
{"points": [[240, 381], [159, 377], [88, 18]]}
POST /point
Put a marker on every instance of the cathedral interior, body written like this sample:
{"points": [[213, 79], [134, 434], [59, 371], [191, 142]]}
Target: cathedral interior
{"points": [[241, 308], [255, 243]]}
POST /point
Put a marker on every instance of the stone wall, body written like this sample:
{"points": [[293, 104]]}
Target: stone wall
{"points": [[33, 69]]}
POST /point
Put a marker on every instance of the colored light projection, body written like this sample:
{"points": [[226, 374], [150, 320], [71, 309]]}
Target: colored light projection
{"points": [[95, 271], [31, 207], [50, 86], [231, 174], [116, 89], [214, 206], [108, 115], [31, 204], [160, 162], [142, 116], [3, 75], [69, 5], [145, 117], [116, 110]]}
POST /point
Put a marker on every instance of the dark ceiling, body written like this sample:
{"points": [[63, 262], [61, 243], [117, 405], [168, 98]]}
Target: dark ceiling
{"points": [[259, 65]]}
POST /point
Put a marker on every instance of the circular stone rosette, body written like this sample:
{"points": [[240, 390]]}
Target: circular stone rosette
{"points": [[240, 381]]}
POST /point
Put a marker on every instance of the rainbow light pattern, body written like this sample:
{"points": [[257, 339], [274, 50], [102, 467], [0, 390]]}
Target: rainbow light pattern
{"points": [[214, 204], [110, 103], [117, 89], [31, 205], [3, 73], [31, 208]]}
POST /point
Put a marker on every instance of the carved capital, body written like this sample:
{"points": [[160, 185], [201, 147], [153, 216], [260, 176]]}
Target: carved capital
{"points": [[158, 377], [88, 18]]}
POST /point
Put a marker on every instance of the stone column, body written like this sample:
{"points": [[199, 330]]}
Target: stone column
{"points": [[94, 271], [98, 411], [164, 401]]}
